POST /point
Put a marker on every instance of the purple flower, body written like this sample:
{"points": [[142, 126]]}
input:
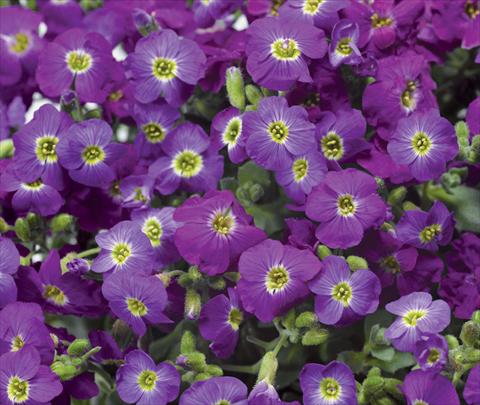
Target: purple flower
{"points": [[323, 13], [19, 43], [36, 146], [403, 85], [165, 65], [60, 15], [136, 299], [136, 191], [35, 196], [78, 266], [276, 133], [124, 248], [424, 142], [460, 286], [219, 322], [418, 315], [304, 173], [159, 226], [331, 384], [189, 163], [273, 278], [8, 266], [215, 390], [264, 393], [207, 12], [471, 392], [227, 130], [426, 230], [424, 387], [87, 153], [279, 49], [76, 57], [59, 293], [215, 231], [141, 381], [21, 326], [344, 46], [346, 201], [431, 352], [155, 122], [341, 297], [340, 136], [388, 258], [473, 117], [24, 380]]}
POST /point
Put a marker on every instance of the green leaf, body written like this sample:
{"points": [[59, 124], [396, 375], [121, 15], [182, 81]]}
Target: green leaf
{"points": [[383, 353], [399, 360], [356, 360], [251, 172], [380, 317]]}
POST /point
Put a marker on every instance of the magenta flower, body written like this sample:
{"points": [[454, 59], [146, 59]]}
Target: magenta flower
{"points": [[429, 388], [215, 231], [36, 147], [220, 321], [24, 380], [165, 65], [190, 163], [76, 57], [331, 384], [276, 133], [418, 315], [141, 381], [87, 152], [136, 300], [342, 297], [426, 230], [425, 142], [278, 51], [346, 201], [273, 278]]}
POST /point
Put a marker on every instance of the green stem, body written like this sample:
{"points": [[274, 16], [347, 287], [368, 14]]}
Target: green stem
{"points": [[174, 273], [457, 377], [98, 369], [252, 369], [281, 342], [89, 252]]}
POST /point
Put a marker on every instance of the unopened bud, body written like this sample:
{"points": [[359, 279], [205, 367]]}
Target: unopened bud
{"points": [[409, 206], [60, 222], [306, 319], [255, 192], [78, 265], [196, 361], [397, 195], [22, 229], [323, 251], [144, 22], [214, 370], [356, 263], [6, 148], [268, 368], [202, 377], [64, 370], [315, 337], [78, 347], [4, 227], [470, 334], [462, 132], [254, 95], [187, 343], [452, 342], [235, 88], [217, 283], [193, 304], [476, 317]]}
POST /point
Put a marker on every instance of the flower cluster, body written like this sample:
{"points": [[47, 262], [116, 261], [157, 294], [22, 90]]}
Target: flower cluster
{"points": [[240, 202]]}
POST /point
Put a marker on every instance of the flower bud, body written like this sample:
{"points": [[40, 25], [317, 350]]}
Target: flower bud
{"points": [[4, 227], [78, 266], [214, 370], [78, 347], [144, 22], [452, 342], [397, 195], [6, 149], [323, 251], [462, 132], [202, 377], [476, 317], [470, 334], [187, 343], [306, 319], [60, 222], [193, 304], [64, 369], [217, 283], [268, 368], [22, 229], [196, 361], [357, 263], [315, 337], [235, 88], [255, 192], [409, 206], [254, 95], [474, 153]]}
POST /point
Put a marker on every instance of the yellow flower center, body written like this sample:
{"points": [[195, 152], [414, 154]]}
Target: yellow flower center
{"points": [[285, 49], [332, 146], [164, 69], [79, 61], [346, 205], [330, 389], [343, 47], [278, 131], [147, 380], [20, 43], [471, 9], [232, 132], [153, 229], [17, 390], [17, 343], [46, 149], [235, 318], [93, 155], [407, 98], [154, 132], [413, 316], [136, 307], [277, 279], [430, 232], [300, 169], [223, 223], [311, 6], [342, 293], [187, 164], [53, 294], [379, 22]]}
